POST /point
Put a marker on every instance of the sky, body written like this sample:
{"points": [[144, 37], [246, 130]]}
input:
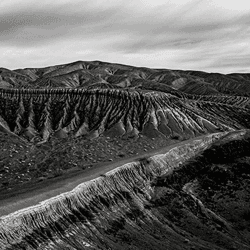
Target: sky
{"points": [[207, 35]]}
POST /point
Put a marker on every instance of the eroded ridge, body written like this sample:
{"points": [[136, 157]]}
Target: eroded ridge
{"points": [[74, 112], [85, 217]]}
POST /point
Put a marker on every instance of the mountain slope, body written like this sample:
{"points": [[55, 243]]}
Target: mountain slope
{"points": [[62, 113], [83, 74], [154, 203]]}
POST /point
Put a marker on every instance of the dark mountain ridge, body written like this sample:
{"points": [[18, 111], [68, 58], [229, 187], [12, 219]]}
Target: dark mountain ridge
{"points": [[82, 74]]}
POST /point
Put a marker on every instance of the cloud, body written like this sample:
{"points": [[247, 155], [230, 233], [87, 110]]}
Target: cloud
{"points": [[44, 23], [196, 34]]}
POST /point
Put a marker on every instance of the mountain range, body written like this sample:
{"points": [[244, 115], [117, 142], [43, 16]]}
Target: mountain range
{"points": [[99, 155]]}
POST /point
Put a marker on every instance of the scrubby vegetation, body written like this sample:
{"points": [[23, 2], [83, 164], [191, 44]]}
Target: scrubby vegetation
{"points": [[223, 161], [215, 187], [23, 163]]}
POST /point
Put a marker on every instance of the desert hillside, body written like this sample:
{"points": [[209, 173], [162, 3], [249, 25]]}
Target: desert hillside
{"points": [[98, 155]]}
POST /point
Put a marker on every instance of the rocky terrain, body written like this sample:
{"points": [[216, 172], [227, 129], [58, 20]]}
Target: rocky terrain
{"points": [[61, 120]]}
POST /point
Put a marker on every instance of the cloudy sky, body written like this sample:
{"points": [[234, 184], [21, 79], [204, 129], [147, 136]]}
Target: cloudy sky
{"points": [[209, 35]]}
